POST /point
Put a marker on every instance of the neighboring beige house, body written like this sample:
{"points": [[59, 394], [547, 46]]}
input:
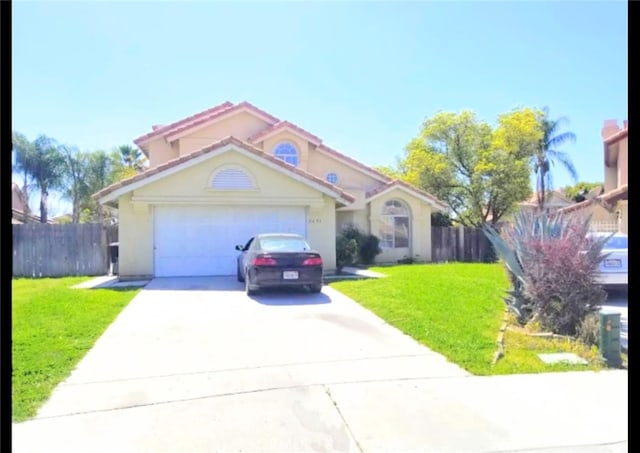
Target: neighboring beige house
{"points": [[223, 175], [18, 203], [554, 201], [610, 210]]}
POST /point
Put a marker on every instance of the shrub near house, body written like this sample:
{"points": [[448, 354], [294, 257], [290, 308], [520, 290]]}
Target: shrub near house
{"points": [[552, 264], [355, 247]]}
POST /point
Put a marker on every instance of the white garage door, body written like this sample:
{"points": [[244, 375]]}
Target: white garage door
{"points": [[199, 240]]}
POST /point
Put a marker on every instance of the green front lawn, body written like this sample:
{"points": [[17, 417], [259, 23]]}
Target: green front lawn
{"points": [[53, 328], [456, 309]]}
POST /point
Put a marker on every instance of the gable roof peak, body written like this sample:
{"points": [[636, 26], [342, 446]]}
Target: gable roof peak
{"points": [[158, 130]]}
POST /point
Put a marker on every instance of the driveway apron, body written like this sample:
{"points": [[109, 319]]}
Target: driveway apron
{"points": [[193, 364]]}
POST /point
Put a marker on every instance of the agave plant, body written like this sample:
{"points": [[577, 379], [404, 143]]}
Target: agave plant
{"points": [[552, 264], [509, 254]]}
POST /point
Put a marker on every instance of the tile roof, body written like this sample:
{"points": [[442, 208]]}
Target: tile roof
{"points": [[353, 162], [398, 182], [622, 133], [234, 108], [617, 194], [577, 206], [613, 196], [212, 148], [162, 130], [283, 125], [227, 107], [533, 199], [202, 117]]}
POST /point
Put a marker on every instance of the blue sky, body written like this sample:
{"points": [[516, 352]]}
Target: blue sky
{"points": [[360, 75]]}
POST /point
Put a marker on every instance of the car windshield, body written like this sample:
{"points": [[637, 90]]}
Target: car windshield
{"points": [[617, 242], [283, 244]]}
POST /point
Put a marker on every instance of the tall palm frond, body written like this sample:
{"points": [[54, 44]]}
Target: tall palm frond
{"points": [[548, 154]]}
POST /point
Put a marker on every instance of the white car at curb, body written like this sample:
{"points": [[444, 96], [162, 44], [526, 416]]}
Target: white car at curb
{"points": [[614, 269]]}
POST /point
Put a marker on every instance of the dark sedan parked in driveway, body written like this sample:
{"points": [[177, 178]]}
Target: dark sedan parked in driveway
{"points": [[279, 260]]}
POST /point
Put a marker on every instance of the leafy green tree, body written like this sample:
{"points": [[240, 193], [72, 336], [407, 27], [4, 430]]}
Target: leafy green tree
{"points": [[481, 173], [102, 169], [548, 154], [389, 171], [578, 191]]}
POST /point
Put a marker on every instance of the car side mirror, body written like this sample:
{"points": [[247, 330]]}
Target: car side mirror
{"points": [[240, 248]]}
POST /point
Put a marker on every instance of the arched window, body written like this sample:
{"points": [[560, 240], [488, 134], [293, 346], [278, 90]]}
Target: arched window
{"points": [[394, 231], [287, 152], [332, 177], [232, 178]]}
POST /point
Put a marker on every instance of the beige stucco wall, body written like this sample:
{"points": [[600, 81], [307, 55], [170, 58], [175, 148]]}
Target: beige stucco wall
{"points": [[321, 231], [623, 206], [623, 162], [160, 152], [600, 214], [274, 186], [320, 164], [242, 126], [420, 223], [17, 199], [610, 178], [135, 235], [601, 219], [270, 143], [191, 186], [358, 218]]}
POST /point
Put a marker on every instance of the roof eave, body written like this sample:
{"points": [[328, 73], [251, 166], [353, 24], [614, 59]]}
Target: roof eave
{"points": [[127, 185], [441, 207], [285, 128]]}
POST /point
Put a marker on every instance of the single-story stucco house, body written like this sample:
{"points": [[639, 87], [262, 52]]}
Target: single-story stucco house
{"points": [[219, 177]]}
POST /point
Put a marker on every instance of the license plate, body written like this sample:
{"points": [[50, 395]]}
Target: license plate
{"points": [[612, 263], [290, 275]]}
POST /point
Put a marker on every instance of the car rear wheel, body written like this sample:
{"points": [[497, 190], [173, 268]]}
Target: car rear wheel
{"points": [[240, 277], [248, 287], [315, 288]]}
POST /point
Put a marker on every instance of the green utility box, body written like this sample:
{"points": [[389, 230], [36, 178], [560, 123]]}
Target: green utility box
{"points": [[610, 338]]}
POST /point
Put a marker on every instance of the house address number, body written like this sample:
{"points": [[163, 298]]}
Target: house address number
{"points": [[315, 220]]}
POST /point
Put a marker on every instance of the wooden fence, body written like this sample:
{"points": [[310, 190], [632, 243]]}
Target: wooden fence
{"points": [[460, 244], [44, 250]]}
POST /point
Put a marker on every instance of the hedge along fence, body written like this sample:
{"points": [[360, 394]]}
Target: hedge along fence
{"points": [[466, 244], [45, 250]]}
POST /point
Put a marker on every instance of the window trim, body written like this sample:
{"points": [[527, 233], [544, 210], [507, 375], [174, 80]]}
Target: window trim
{"points": [[390, 219], [293, 146], [329, 173], [232, 167]]}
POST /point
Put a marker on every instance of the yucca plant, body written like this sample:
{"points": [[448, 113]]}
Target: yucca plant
{"points": [[552, 264]]}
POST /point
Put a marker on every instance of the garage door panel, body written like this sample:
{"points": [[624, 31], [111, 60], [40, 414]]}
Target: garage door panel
{"points": [[200, 241]]}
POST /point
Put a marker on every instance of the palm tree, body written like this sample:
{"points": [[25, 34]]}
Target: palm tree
{"points": [[547, 154], [132, 157], [24, 161], [77, 165], [47, 169]]}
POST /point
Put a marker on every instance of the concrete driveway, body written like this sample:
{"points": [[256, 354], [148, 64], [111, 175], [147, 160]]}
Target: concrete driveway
{"points": [[193, 364]]}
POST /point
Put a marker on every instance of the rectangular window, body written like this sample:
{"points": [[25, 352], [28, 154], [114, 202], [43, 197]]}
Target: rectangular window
{"points": [[401, 232], [394, 232]]}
